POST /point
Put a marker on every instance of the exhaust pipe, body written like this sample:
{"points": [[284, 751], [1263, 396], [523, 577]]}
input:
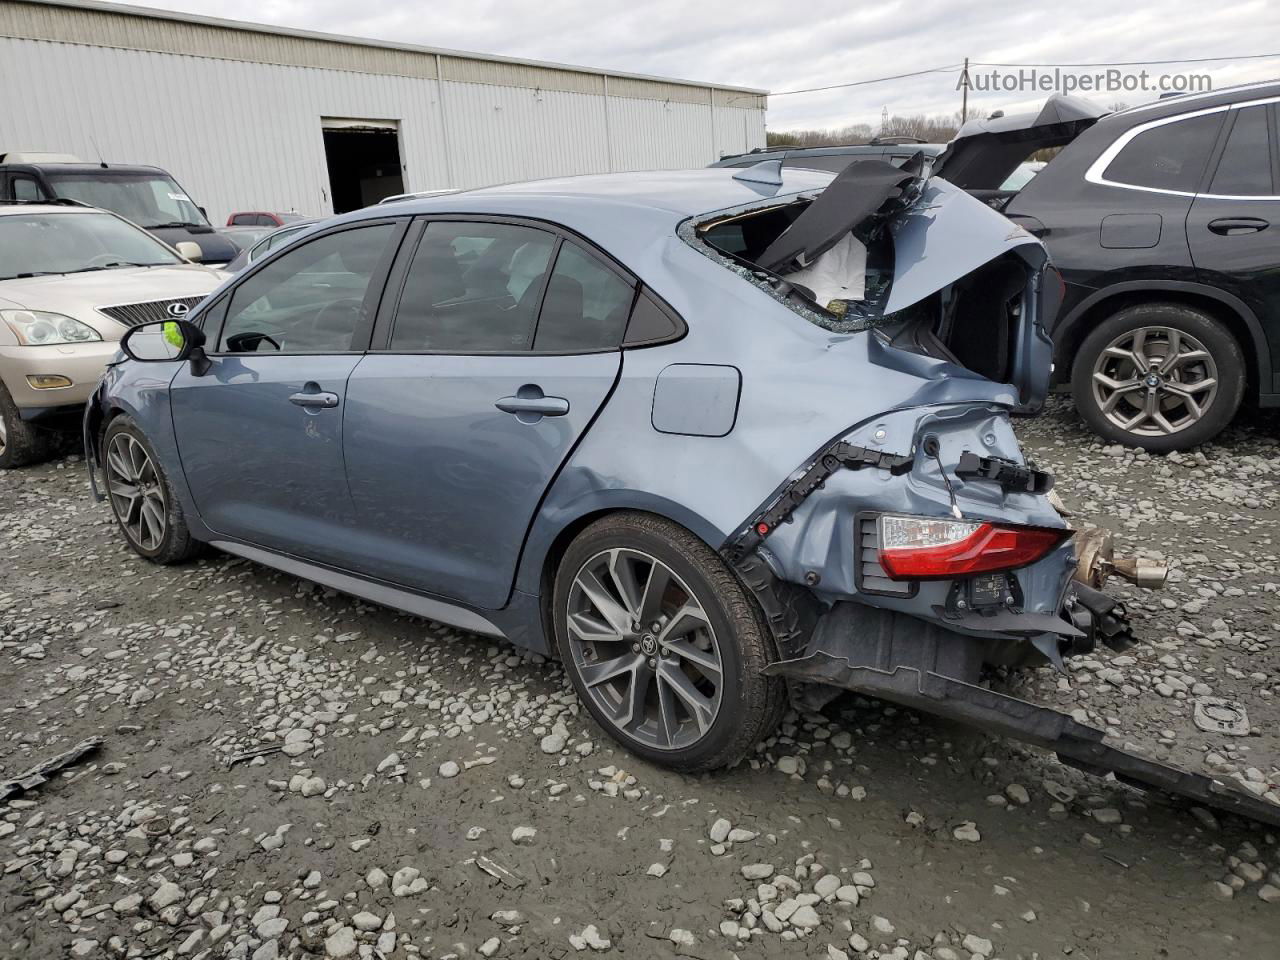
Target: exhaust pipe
{"points": [[1141, 573], [1096, 561]]}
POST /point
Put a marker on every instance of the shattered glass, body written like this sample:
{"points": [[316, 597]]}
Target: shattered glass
{"points": [[866, 314]]}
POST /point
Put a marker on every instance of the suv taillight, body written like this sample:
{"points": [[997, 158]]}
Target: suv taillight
{"points": [[930, 548]]}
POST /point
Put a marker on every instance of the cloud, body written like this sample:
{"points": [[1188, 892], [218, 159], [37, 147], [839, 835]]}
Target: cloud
{"points": [[777, 47]]}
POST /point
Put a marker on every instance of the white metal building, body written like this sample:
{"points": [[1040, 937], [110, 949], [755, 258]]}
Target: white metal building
{"points": [[250, 117]]}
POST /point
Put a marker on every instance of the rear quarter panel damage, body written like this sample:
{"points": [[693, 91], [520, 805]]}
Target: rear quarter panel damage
{"points": [[821, 539], [804, 385]]}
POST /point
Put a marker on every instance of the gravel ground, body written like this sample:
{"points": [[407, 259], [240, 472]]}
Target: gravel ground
{"points": [[435, 794]]}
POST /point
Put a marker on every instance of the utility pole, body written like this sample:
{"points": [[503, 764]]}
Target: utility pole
{"points": [[964, 97]]}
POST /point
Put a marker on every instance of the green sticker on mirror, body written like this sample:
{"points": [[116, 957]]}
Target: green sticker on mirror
{"points": [[173, 334]]}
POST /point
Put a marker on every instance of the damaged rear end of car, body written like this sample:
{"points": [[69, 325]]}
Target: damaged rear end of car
{"points": [[918, 548]]}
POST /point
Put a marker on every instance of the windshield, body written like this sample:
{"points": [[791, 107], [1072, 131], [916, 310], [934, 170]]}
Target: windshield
{"points": [[32, 244], [148, 199]]}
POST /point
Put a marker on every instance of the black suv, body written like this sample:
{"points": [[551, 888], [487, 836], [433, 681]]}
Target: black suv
{"points": [[148, 196], [1164, 220]]}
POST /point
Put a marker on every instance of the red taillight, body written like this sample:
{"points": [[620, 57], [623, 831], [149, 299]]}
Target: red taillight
{"points": [[924, 548]]}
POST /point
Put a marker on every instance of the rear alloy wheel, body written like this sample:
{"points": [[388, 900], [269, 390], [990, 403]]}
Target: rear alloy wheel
{"points": [[141, 496], [644, 648], [1159, 376], [662, 643]]}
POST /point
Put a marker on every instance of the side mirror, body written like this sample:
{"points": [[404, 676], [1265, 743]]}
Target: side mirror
{"points": [[163, 340], [190, 249]]}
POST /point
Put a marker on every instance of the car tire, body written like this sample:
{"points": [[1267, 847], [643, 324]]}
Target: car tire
{"points": [[21, 443], [1189, 401], [138, 489], [706, 702]]}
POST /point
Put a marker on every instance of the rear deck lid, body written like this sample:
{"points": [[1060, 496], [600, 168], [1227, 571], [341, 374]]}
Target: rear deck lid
{"points": [[985, 152]]}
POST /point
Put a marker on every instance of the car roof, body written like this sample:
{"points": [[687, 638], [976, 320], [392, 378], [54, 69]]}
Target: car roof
{"points": [[14, 208], [98, 169], [1185, 103], [626, 214], [676, 194]]}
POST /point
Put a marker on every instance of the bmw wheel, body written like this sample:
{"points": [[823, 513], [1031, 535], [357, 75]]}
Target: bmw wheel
{"points": [[142, 498], [1161, 376], [663, 644]]}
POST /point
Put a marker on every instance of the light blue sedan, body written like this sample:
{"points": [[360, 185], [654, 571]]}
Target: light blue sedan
{"points": [[715, 438]]}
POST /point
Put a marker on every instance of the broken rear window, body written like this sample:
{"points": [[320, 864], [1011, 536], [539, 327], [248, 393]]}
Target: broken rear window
{"points": [[828, 256], [854, 276]]}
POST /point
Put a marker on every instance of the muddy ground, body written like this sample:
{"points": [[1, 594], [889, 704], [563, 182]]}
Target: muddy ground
{"points": [[439, 794]]}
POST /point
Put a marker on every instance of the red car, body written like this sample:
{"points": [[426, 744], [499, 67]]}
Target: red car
{"points": [[261, 218]]}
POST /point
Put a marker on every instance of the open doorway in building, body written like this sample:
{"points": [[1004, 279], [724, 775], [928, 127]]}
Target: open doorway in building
{"points": [[364, 161]]}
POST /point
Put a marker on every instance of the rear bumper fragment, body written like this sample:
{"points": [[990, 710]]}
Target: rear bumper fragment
{"points": [[923, 665]]}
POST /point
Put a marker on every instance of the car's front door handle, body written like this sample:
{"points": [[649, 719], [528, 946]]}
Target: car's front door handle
{"points": [[324, 400], [1234, 226], [539, 406]]}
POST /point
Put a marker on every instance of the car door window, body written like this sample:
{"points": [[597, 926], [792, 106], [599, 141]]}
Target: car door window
{"points": [[26, 188], [260, 249], [1245, 167], [1171, 156], [586, 305], [242, 220], [310, 300], [472, 288]]}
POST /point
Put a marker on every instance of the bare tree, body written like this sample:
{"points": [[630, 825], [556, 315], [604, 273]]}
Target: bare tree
{"points": [[932, 129], [856, 133]]}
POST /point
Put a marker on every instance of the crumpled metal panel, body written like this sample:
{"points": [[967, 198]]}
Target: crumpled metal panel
{"points": [[928, 668], [821, 539]]}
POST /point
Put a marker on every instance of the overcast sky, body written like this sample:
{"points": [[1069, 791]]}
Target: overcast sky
{"points": [[780, 46]]}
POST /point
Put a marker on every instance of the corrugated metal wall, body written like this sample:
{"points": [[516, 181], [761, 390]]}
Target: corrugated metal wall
{"points": [[246, 135]]}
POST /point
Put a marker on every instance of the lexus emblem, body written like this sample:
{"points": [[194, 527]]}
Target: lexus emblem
{"points": [[177, 310]]}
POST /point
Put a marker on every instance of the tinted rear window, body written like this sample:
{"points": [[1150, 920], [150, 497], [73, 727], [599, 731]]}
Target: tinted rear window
{"points": [[1245, 167], [473, 288], [1171, 156], [586, 305]]}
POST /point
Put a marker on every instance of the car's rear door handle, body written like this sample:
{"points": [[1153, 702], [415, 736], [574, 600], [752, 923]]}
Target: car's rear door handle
{"points": [[530, 404], [321, 399], [1233, 226], [545, 406]]}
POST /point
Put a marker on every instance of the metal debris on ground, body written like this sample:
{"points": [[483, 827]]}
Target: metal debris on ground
{"points": [[1216, 715], [507, 878], [254, 752], [39, 774]]}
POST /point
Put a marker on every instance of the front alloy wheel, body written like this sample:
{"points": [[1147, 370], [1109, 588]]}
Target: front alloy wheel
{"points": [[21, 443], [142, 498], [663, 644], [644, 648], [137, 495]]}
